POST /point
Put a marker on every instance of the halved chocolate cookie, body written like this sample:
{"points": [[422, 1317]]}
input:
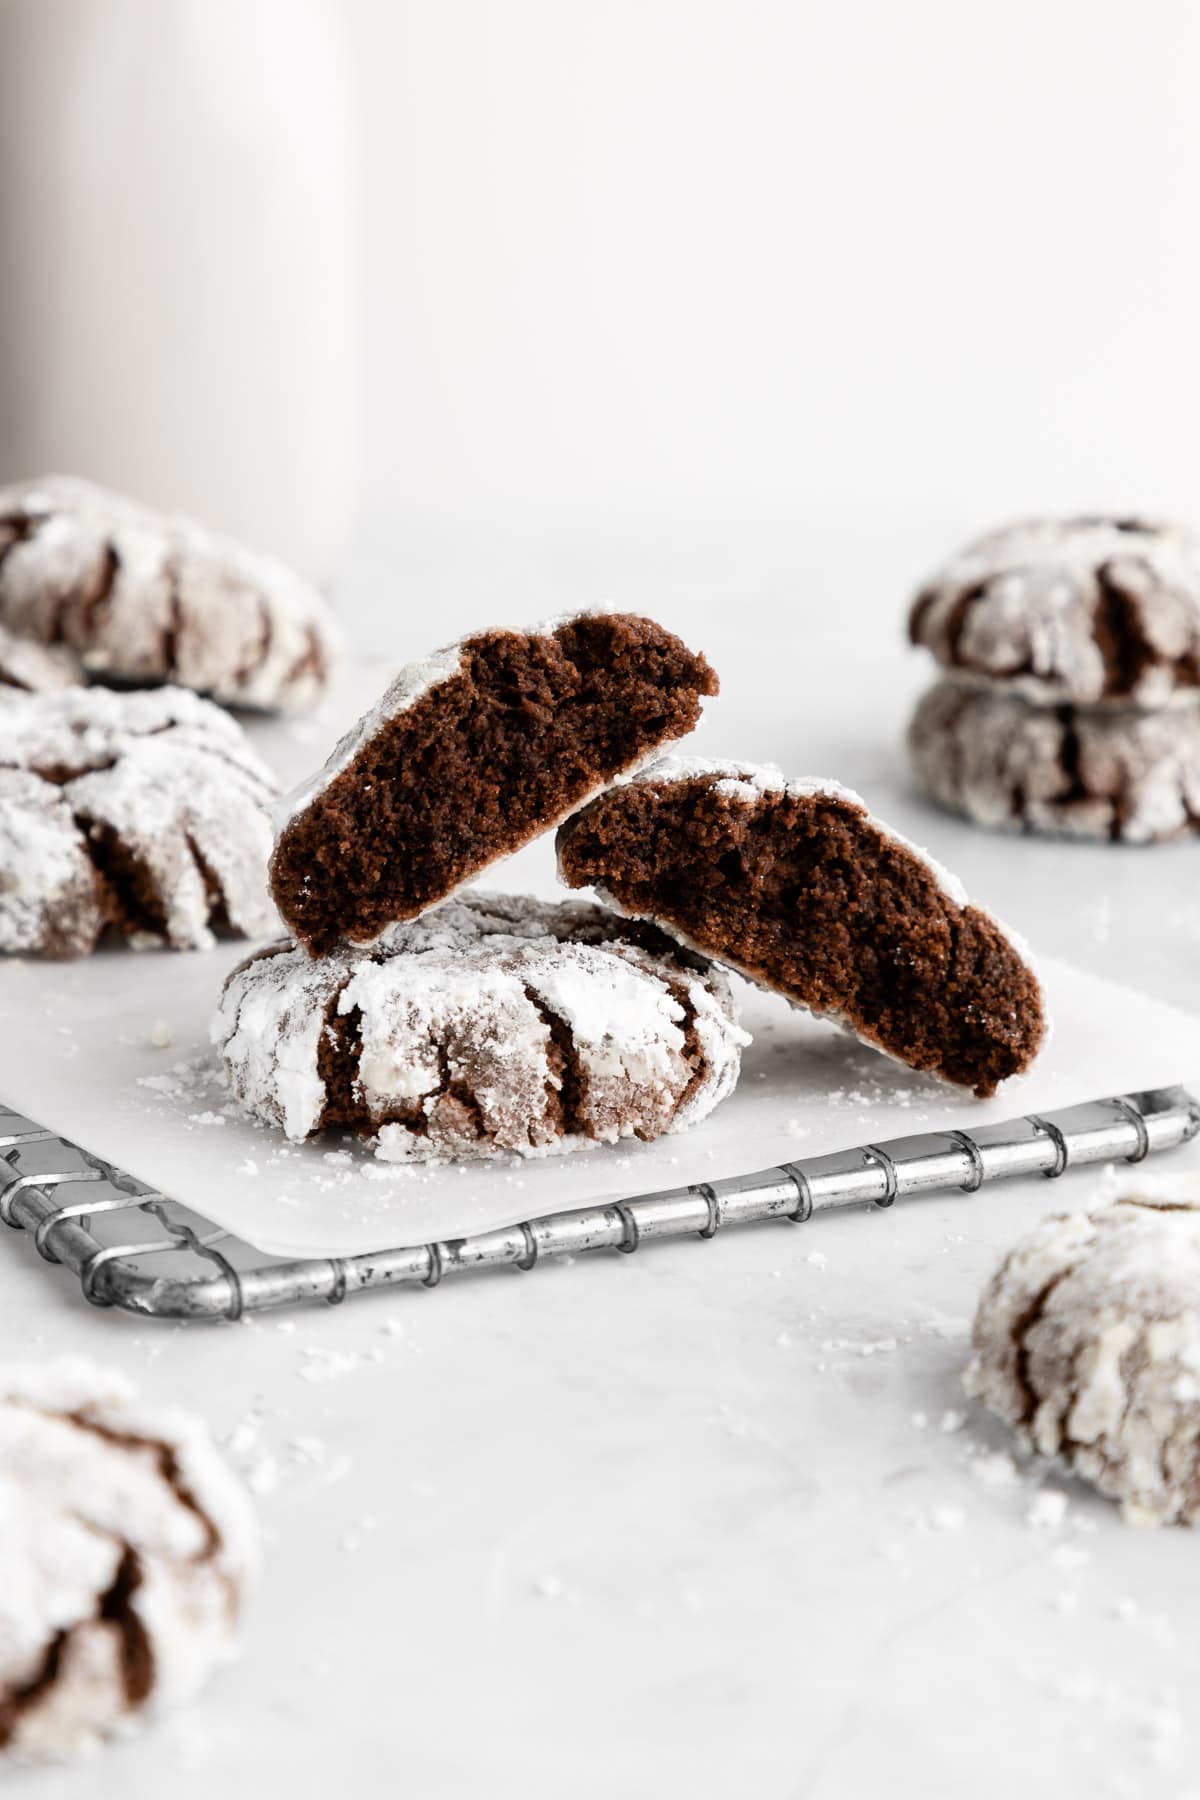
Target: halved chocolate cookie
{"points": [[467, 757], [795, 885]]}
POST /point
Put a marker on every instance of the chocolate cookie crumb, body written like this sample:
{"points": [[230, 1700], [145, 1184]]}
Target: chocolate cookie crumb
{"points": [[470, 755], [795, 885]]}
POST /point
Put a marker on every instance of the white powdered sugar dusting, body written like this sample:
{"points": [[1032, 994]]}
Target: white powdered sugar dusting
{"points": [[123, 1526], [146, 809], [38, 668], [1025, 606], [144, 597], [494, 1025], [1098, 773], [1087, 1341]]}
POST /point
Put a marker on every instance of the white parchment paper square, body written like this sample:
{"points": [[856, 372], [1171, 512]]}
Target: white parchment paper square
{"points": [[113, 1052]]}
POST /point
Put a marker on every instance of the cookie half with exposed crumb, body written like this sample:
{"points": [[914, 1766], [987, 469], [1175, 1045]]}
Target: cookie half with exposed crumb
{"points": [[127, 1547], [470, 755], [1087, 1341], [495, 1024], [796, 886], [144, 815], [144, 597]]}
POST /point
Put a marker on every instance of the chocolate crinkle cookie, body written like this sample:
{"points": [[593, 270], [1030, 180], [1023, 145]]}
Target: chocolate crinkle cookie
{"points": [[1086, 610], [467, 757], [796, 886], [1118, 773], [143, 597], [35, 668], [141, 813], [1087, 1341], [495, 1024], [126, 1549]]}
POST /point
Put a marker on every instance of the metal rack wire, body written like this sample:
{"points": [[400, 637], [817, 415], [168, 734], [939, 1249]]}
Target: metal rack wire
{"points": [[133, 1248]]}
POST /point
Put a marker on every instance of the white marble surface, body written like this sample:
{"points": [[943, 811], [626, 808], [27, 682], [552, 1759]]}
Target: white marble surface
{"points": [[715, 1518]]}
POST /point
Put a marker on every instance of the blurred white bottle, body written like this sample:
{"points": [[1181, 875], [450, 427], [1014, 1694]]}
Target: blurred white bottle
{"points": [[180, 259]]}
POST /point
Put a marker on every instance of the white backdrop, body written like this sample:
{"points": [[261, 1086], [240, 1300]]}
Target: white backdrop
{"points": [[737, 260]]}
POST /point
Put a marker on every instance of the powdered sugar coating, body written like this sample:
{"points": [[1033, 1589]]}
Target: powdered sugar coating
{"points": [[143, 597], [127, 1548], [36, 667], [143, 810], [1117, 773], [493, 1024], [1087, 610], [1087, 1341]]}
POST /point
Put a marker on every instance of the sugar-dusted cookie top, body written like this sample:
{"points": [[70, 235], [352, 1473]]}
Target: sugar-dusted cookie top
{"points": [[494, 1024], [1088, 610], [145, 813], [469, 755], [126, 1550], [144, 597], [1087, 1340]]}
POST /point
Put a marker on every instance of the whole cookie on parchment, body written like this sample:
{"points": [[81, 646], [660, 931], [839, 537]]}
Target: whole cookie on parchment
{"points": [[142, 813], [126, 1549], [494, 1024], [1087, 1341], [1087, 610], [1118, 773], [144, 597]]}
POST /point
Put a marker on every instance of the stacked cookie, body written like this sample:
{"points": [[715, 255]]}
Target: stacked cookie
{"points": [[1070, 701], [473, 1025], [138, 815]]}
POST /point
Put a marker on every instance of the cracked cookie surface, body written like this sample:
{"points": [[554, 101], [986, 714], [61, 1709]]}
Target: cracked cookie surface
{"points": [[468, 756], [1089, 610], [797, 887], [127, 1547], [496, 1024], [1087, 1341], [143, 814], [1120, 774], [143, 597]]}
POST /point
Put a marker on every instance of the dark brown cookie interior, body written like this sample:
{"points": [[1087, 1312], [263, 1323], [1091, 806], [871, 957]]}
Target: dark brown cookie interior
{"points": [[501, 749], [806, 894]]}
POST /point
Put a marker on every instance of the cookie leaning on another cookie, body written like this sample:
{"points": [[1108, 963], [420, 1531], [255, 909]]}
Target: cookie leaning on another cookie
{"points": [[494, 1024], [144, 597], [144, 813], [1085, 610], [1109, 773], [126, 1551], [467, 757], [796, 886]]}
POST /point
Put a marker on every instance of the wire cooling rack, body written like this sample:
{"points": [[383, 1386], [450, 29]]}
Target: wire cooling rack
{"points": [[133, 1248]]}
